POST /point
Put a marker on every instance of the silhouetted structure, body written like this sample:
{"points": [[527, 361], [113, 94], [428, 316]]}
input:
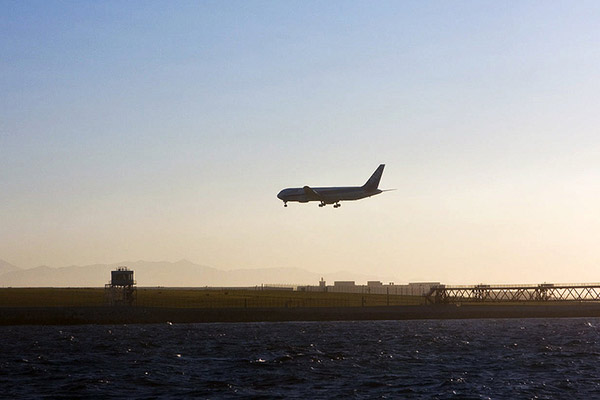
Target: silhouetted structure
{"points": [[584, 292], [372, 287], [121, 289]]}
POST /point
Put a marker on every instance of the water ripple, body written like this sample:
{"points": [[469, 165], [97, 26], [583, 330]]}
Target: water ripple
{"points": [[476, 359]]}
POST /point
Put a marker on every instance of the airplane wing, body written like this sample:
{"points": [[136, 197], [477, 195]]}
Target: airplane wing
{"points": [[311, 193]]}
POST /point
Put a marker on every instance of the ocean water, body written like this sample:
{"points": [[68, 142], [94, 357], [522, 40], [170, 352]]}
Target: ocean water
{"points": [[441, 359]]}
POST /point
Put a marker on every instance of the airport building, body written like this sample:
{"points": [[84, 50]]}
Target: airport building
{"points": [[372, 287]]}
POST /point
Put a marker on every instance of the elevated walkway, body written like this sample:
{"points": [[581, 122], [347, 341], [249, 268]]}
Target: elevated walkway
{"points": [[579, 292]]}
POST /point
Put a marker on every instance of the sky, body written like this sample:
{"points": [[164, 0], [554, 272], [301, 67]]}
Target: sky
{"points": [[164, 130]]}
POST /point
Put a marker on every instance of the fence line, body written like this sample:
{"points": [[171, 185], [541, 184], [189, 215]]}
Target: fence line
{"points": [[193, 298]]}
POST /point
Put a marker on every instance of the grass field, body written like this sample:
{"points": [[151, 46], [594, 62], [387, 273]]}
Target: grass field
{"points": [[51, 297], [193, 298]]}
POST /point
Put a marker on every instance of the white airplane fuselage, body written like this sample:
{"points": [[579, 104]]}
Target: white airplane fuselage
{"points": [[333, 195], [329, 195]]}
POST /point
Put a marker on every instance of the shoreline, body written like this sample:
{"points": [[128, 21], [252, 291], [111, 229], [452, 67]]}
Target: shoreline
{"points": [[103, 315]]}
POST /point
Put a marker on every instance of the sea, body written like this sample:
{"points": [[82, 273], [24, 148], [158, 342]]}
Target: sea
{"points": [[424, 359]]}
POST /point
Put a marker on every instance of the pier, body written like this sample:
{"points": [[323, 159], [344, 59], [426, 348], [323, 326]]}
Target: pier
{"points": [[544, 292]]}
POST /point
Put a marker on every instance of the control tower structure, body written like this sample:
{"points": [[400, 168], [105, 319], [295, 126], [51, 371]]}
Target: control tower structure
{"points": [[121, 289]]}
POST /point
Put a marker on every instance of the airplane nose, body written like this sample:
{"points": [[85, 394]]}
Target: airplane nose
{"points": [[280, 195]]}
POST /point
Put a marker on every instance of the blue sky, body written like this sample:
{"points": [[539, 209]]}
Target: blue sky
{"points": [[164, 130]]}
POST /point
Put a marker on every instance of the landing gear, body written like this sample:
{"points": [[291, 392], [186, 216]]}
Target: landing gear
{"points": [[335, 205], [285, 203]]}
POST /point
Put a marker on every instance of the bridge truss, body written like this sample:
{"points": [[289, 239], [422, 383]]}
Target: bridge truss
{"points": [[442, 294]]}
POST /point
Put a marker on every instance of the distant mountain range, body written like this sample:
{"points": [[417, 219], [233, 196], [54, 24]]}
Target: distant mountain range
{"points": [[170, 274], [7, 267]]}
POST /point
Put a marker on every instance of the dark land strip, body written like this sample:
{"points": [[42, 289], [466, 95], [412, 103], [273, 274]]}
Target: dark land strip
{"points": [[143, 315]]}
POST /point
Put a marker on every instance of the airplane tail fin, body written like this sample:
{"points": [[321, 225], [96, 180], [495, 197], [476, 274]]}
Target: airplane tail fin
{"points": [[373, 182]]}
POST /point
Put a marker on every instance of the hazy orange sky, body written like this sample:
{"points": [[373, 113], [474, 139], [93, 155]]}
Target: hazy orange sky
{"points": [[165, 130]]}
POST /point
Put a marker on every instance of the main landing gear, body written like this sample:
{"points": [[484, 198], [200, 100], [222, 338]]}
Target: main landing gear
{"points": [[336, 205]]}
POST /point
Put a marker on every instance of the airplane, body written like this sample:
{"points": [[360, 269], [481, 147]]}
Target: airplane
{"points": [[333, 195]]}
